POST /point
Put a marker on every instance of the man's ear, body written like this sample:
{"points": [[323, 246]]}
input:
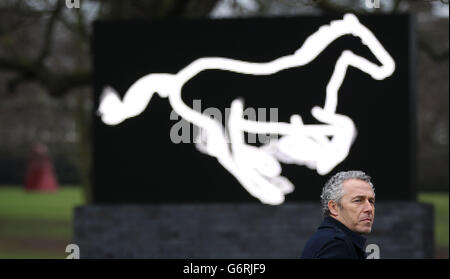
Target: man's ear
{"points": [[332, 207]]}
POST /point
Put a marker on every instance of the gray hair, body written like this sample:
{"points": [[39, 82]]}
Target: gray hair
{"points": [[333, 191]]}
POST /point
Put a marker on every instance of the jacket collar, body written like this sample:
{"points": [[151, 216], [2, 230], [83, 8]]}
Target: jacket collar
{"points": [[355, 237]]}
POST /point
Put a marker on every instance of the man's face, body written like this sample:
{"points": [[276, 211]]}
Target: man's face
{"points": [[357, 208]]}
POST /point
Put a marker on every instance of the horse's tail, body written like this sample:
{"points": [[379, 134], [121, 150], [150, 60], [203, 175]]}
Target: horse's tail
{"points": [[109, 104], [113, 110]]}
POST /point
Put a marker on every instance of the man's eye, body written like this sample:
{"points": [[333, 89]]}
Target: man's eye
{"points": [[356, 200]]}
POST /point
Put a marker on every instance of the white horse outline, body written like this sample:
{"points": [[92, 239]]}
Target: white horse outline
{"points": [[258, 168]]}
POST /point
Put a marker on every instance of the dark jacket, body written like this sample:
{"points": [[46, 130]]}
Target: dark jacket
{"points": [[333, 240]]}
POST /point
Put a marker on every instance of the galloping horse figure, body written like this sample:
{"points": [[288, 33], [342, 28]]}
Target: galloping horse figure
{"points": [[320, 147]]}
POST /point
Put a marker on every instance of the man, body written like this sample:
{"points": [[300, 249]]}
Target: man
{"points": [[348, 207]]}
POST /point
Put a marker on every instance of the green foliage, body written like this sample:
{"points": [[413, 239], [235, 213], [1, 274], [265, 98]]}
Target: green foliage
{"points": [[15, 203], [36, 225], [29, 255], [441, 215]]}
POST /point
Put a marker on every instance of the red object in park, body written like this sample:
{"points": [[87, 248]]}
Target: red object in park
{"points": [[40, 175]]}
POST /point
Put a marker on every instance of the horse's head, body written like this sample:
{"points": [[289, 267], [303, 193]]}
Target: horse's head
{"points": [[357, 29], [349, 25]]}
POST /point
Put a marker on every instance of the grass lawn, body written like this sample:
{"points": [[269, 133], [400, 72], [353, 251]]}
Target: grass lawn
{"points": [[441, 215], [36, 225], [18, 204], [39, 225]]}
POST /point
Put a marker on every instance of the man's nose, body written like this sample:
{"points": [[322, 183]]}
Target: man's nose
{"points": [[368, 207]]}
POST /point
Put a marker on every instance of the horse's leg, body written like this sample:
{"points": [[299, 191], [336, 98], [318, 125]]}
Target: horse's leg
{"points": [[257, 171], [338, 147]]}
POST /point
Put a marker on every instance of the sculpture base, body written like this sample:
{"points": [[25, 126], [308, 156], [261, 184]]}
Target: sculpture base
{"points": [[401, 230]]}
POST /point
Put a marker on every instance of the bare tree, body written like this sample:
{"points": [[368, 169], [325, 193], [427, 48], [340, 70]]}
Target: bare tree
{"points": [[46, 44]]}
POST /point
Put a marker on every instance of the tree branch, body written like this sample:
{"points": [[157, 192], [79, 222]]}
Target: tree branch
{"points": [[12, 84], [178, 8], [15, 65], [431, 52], [197, 8], [81, 27], [75, 29], [330, 7], [396, 6], [58, 85], [48, 35]]}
